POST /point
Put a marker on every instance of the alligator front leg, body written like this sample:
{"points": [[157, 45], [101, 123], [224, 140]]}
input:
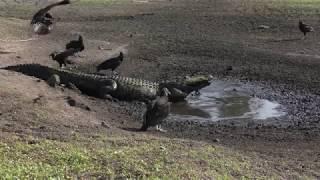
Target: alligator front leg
{"points": [[107, 89], [54, 80]]}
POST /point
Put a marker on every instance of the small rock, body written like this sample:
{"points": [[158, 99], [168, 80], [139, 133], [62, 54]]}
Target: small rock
{"points": [[33, 141], [18, 57], [87, 108], [216, 140], [9, 125], [147, 14], [263, 27], [229, 68], [103, 48], [163, 148], [71, 101], [103, 124], [36, 100]]}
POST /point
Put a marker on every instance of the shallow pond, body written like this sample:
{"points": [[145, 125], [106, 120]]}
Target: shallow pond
{"points": [[225, 100]]}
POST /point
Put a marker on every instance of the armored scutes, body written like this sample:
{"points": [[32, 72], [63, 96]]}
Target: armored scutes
{"points": [[122, 88]]}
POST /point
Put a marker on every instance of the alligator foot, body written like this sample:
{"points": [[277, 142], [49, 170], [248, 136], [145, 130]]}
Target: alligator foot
{"points": [[74, 87], [110, 98], [54, 80], [105, 91], [177, 95], [115, 73], [197, 93]]}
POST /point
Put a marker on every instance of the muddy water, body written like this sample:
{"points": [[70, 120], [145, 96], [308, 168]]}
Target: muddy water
{"points": [[225, 100]]}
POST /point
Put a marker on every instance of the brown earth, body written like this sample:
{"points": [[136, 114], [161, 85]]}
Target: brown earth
{"points": [[162, 39]]}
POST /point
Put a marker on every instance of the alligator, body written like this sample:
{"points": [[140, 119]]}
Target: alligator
{"points": [[119, 87]]}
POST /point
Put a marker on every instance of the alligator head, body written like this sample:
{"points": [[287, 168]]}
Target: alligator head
{"points": [[179, 90], [198, 82]]}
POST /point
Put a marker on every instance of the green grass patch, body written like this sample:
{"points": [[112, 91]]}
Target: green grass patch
{"points": [[121, 157], [282, 7], [299, 7]]}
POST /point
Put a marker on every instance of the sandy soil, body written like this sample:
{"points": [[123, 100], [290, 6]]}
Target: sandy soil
{"points": [[162, 39]]}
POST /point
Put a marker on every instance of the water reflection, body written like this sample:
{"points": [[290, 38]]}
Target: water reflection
{"points": [[223, 100], [183, 108]]}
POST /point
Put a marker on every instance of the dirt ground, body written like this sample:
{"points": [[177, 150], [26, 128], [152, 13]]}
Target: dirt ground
{"points": [[162, 39]]}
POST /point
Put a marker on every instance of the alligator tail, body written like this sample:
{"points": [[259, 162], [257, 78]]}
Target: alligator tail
{"points": [[36, 70]]}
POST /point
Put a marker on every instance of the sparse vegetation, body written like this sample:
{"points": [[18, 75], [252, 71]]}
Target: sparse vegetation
{"points": [[122, 157], [282, 7]]}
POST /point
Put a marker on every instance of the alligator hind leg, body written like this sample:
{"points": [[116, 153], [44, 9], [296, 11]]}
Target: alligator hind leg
{"points": [[73, 87], [104, 91]]}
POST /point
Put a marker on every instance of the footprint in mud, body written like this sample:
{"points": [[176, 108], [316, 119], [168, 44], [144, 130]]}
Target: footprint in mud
{"points": [[72, 102]]}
